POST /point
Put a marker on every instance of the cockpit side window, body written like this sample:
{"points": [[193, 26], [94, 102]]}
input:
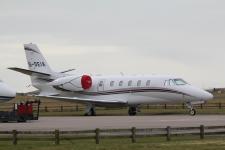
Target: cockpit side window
{"points": [[169, 82], [180, 82]]}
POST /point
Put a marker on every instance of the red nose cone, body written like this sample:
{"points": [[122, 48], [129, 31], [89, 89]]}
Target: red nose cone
{"points": [[86, 82]]}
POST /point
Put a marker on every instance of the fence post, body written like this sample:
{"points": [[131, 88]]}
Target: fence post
{"points": [[168, 133], [57, 137], [201, 106], [97, 135], [220, 105], [77, 108], [165, 106], [183, 106], [133, 134], [46, 109], [14, 132], [202, 132], [61, 108]]}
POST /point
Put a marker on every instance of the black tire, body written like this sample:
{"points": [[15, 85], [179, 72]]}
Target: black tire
{"points": [[93, 112], [192, 112], [132, 111], [21, 119]]}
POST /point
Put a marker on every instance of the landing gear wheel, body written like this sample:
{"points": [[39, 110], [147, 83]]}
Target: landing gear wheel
{"points": [[93, 112], [192, 112], [132, 111], [90, 112]]}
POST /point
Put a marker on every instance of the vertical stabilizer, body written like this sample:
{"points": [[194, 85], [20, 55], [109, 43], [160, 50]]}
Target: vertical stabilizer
{"points": [[35, 59]]}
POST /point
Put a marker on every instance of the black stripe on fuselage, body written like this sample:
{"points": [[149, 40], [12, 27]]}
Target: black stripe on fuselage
{"points": [[6, 98], [136, 90], [31, 50]]}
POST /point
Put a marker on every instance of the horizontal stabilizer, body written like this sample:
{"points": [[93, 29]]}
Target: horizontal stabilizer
{"points": [[86, 101], [28, 72]]}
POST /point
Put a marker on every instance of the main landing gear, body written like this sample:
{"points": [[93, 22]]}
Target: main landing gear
{"points": [[192, 111], [132, 111], [90, 111]]}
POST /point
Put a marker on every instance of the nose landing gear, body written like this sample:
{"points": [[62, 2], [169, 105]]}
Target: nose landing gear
{"points": [[192, 111]]}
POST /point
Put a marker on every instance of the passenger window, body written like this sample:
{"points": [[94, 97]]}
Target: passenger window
{"points": [[100, 84], [121, 83], [148, 83], [112, 83], [129, 83], [139, 83]]}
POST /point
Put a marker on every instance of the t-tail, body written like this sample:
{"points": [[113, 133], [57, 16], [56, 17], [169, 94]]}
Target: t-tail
{"points": [[39, 70]]}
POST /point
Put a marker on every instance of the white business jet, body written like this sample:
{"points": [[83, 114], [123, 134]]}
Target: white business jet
{"points": [[109, 91], [6, 92]]}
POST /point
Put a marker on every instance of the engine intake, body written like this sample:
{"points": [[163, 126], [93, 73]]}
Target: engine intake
{"points": [[86, 82], [73, 83]]}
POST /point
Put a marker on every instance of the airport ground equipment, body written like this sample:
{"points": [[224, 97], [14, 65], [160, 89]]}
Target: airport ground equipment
{"points": [[22, 112]]}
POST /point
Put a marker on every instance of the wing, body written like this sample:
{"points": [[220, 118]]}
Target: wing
{"points": [[96, 102]]}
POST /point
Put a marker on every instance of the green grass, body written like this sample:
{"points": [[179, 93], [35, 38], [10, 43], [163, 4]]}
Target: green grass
{"points": [[155, 143]]}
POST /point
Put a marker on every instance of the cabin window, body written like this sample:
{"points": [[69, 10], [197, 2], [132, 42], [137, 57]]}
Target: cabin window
{"points": [[121, 83], [100, 84], [112, 83], [129, 83], [148, 83], [139, 83]]}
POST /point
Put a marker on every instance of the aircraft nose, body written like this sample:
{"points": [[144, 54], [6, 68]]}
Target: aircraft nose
{"points": [[7, 92], [12, 93]]}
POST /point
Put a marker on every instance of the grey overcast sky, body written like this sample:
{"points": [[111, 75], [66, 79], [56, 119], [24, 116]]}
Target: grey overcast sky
{"points": [[179, 37]]}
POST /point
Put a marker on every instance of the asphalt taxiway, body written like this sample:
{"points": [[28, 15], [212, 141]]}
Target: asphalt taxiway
{"points": [[114, 122]]}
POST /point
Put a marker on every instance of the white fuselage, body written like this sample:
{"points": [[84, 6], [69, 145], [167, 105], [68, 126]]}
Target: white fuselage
{"points": [[134, 90], [6, 92]]}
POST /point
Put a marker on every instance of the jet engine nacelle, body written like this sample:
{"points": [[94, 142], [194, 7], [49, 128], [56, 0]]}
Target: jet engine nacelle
{"points": [[73, 83]]}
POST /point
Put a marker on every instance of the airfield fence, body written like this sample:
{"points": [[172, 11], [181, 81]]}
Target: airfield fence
{"points": [[53, 107], [99, 134]]}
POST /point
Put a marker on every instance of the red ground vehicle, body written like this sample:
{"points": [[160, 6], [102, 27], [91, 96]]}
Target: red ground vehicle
{"points": [[21, 112]]}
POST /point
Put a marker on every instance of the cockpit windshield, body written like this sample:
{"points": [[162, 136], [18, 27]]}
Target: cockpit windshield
{"points": [[179, 82]]}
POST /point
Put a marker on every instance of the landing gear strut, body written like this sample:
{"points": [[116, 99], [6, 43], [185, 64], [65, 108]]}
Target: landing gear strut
{"points": [[90, 111], [132, 111], [192, 111]]}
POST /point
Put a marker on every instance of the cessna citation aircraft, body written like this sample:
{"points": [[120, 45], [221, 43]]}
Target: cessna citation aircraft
{"points": [[6, 92], [108, 91]]}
